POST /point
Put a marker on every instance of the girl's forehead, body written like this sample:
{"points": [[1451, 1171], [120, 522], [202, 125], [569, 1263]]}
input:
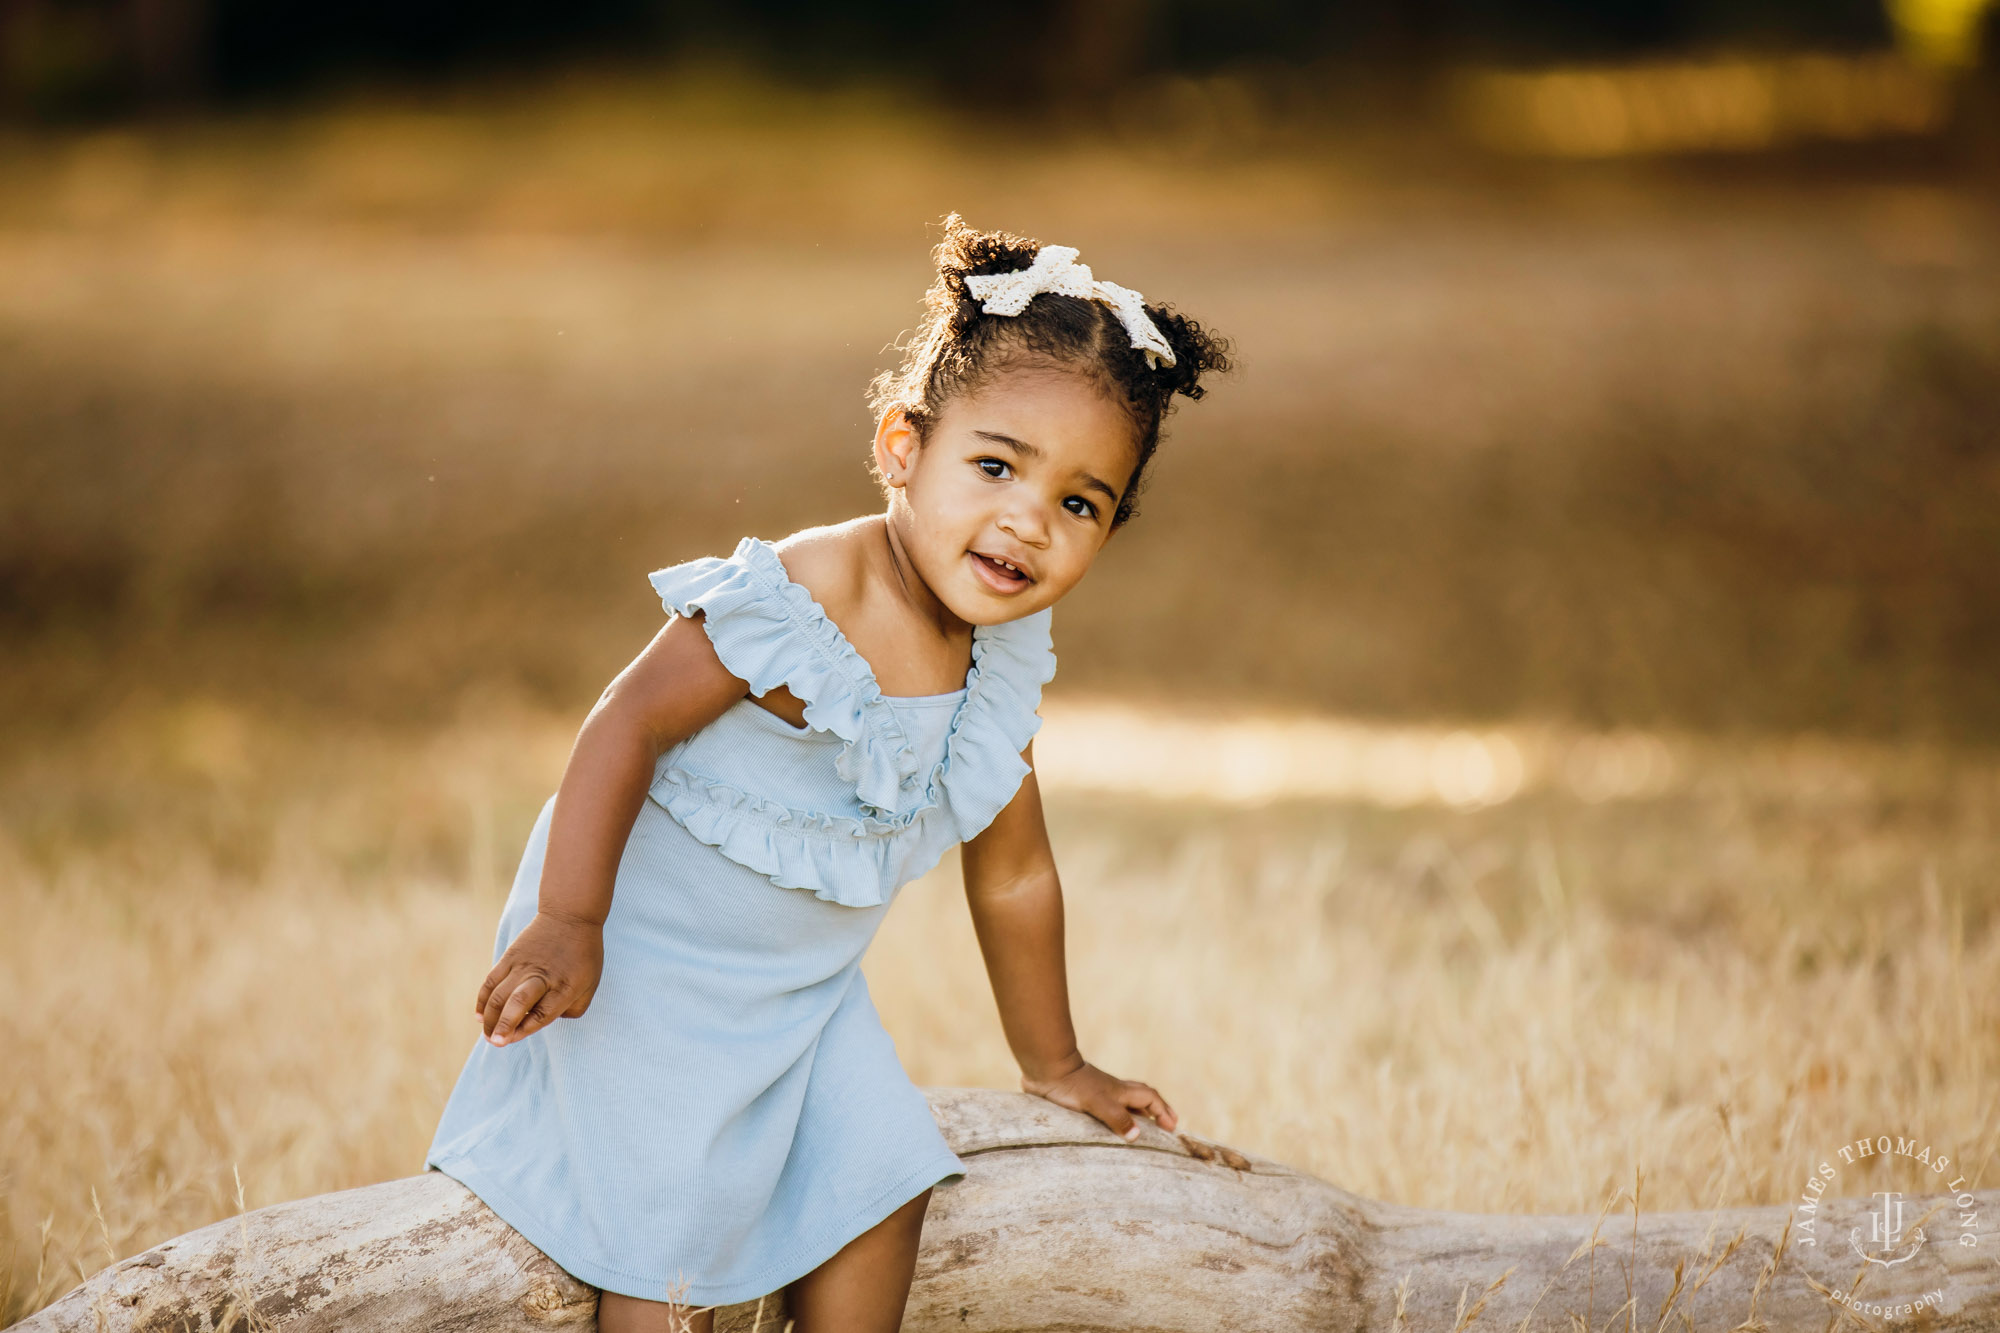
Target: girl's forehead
{"points": [[1065, 411]]}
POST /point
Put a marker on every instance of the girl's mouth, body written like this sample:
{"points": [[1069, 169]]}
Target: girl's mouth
{"points": [[998, 575]]}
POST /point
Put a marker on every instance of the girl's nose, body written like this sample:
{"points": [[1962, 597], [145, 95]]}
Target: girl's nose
{"points": [[1025, 524]]}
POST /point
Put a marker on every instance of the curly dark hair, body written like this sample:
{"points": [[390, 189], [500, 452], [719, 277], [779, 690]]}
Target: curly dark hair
{"points": [[959, 347]]}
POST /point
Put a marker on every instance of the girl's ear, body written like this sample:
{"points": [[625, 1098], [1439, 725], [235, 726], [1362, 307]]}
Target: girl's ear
{"points": [[895, 445]]}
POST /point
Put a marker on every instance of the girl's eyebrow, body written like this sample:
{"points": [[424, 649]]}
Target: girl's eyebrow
{"points": [[1026, 450], [1021, 447]]}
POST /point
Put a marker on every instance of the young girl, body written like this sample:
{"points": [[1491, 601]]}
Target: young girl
{"points": [[720, 1113]]}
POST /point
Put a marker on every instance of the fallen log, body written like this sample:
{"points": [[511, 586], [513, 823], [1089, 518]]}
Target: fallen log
{"points": [[1061, 1224]]}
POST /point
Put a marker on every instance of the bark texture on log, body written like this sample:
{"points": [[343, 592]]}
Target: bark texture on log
{"points": [[1060, 1224]]}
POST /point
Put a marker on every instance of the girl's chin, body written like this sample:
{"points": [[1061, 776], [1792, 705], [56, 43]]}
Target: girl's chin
{"points": [[977, 606]]}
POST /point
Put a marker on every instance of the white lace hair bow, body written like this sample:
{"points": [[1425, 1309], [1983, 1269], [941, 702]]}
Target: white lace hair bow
{"points": [[1055, 270]]}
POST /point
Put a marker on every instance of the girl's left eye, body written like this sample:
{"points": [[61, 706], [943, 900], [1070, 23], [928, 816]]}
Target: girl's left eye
{"points": [[1089, 510]]}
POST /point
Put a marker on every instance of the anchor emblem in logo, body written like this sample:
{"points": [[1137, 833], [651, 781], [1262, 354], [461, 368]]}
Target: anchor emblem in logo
{"points": [[1885, 1233]]}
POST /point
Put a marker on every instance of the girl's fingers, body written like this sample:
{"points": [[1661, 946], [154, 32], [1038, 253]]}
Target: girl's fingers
{"points": [[1143, 1099], [1113, 1100], [1152, 1103], [496, 999], [1116, 1116], [539, 1017], [486, 988], [526, 995]]}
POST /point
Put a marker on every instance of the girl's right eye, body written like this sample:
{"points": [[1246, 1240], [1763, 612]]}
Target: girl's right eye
{"points": [[981, 463]]}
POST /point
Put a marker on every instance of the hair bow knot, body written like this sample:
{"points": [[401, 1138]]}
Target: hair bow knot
{"points": [[1055, 270]]}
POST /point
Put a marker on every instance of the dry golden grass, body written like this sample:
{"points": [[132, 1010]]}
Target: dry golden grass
{"points": [[243, 947]]}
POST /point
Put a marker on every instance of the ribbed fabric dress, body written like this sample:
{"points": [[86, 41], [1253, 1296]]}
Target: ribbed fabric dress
{"points": [[730, 1111]]}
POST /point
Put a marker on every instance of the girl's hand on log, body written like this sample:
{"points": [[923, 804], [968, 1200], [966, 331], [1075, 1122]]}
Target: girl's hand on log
{"points": [[1110, 1098], [550, 971]]}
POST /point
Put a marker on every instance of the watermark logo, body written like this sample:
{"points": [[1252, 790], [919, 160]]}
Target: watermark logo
{"points": [[1892, 1232], [1890, 1239]]}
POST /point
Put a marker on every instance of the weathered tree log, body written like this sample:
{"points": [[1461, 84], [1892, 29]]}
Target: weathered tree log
{"points": [[1060, 1224]]}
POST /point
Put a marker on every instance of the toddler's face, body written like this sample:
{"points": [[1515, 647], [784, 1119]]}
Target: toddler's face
{"points": [[1026, 470]]}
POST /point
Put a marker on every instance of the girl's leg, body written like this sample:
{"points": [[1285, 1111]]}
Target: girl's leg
{"points": [[864, 1287], [629, 1314]]}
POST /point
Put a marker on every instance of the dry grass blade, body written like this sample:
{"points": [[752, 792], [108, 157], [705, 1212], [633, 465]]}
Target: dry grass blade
{"points": [[1588, 1245], [103, 1228], [1673, 1294], [42, 1292], [1839, 1311], [1715, 1265], [1632, 1255], [1612, 1318], [1465, 1316], [1770, 1268], [680, 1316]]}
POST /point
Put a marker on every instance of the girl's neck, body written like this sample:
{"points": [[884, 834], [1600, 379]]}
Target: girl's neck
{"points": [[908, 585]]}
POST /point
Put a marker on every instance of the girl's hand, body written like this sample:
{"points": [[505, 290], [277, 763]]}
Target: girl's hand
{"points": [[1106, 1096], [550, 971]]}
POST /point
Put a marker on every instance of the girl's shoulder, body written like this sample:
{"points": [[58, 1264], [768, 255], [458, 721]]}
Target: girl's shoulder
{"points": [[828, 563], [768, 596], [759, 620]]}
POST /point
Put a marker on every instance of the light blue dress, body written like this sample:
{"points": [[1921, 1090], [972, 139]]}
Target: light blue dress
{"points": [[730, 1111]]}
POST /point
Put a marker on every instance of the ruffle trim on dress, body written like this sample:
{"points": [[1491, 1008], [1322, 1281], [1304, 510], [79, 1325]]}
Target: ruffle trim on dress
{"points": [[982, 766], [853, 862], [770, 631]]}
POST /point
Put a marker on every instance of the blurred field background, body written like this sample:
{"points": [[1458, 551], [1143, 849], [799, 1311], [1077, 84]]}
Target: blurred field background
{"points": [[1541, 727]]}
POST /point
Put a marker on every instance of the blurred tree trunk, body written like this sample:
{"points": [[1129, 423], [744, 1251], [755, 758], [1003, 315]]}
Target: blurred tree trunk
{"points": [[64, 59], [1092, 48], [169, 42]]}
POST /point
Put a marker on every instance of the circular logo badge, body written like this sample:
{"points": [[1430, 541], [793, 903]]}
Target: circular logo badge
{"points": [[1886, 1233]]}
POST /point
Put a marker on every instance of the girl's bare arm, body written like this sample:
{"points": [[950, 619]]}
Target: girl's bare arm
{"points": [[671, 690], [1017, 914]]}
